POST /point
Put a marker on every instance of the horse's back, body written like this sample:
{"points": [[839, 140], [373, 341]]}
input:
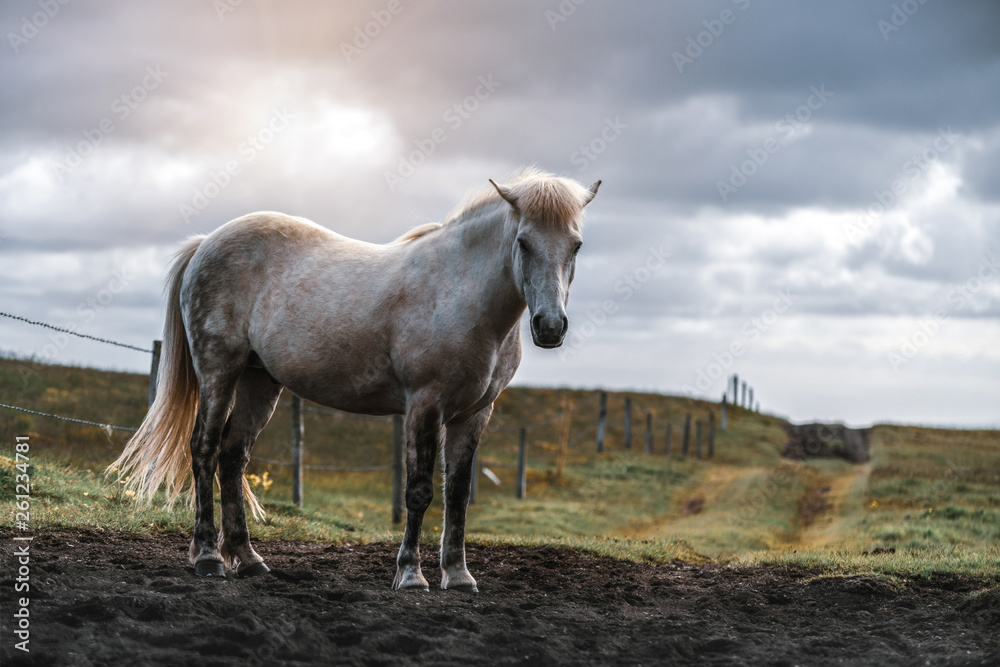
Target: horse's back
{"points": [[268, 230], [303, 298]]}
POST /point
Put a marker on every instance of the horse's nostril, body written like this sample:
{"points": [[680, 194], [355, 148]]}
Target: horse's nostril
{"points": [[549, 327]]}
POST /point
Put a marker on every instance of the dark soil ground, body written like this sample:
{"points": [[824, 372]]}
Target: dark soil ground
{"points": [[119, 599]]}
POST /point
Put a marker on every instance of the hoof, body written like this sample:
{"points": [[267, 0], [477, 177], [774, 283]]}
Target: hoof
{"points": [[410, 580], [461, 580], [210, 568], [414, 587], [255, 570]]}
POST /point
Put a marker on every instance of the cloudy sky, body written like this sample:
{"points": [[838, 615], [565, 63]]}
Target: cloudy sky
{"points": [[813, 186]]}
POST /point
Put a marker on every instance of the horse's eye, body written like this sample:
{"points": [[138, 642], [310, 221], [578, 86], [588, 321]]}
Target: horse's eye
{"points": [[577, 247], [523, 245]]}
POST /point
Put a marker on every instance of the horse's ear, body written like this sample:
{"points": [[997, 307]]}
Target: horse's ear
{"points": [[593, 192], [506, 194]]}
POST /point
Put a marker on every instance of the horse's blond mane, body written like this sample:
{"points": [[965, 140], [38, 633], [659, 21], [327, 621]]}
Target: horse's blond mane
{"points": [[416, 233], [541, 196]]}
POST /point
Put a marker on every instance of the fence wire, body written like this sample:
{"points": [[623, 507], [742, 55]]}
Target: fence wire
{"points": [[68, 419], [76, 333]]}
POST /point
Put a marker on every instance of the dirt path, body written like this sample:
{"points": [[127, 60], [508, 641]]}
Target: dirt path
{"points": [[815, 516], [820, 513], [104, 598]]}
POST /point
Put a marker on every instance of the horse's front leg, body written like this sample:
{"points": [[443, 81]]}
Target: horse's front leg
{"points": [[423, 436], [461, 443]]}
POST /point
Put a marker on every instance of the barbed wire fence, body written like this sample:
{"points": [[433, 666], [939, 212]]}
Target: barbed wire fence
{"points": [[598, 429], [75, 333]]}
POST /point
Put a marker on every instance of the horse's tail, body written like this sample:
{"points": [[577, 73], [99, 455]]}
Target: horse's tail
{"points": [[160, 453]]}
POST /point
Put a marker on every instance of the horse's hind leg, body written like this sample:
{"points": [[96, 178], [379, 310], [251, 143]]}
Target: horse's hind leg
{"points": [[423, 436], [216, 393], [461, 443], [256, 396]]}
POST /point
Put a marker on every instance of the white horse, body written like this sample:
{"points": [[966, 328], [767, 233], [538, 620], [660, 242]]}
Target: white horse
{"points": [[426, 326]]}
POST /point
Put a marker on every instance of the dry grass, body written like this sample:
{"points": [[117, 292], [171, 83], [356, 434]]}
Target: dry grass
{"points": [[933, 495]]}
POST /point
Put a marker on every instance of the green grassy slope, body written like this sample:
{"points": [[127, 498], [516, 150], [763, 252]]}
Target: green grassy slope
{"points": [[933, 495]]}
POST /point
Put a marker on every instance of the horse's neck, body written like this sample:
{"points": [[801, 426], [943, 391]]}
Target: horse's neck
{"points": [[482, 259]]}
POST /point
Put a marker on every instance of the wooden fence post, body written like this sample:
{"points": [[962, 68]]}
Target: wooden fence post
{"points": [[563, 437], [736, 390], [474, 482], [154, 370], [687, 435], [649, 432], [628, 423], [697, 440], [750, 399], [522, 464], [297, 434], [711, 434], [743, 402], [669, 433], [722, 422], [398, 448], [602, 420]]}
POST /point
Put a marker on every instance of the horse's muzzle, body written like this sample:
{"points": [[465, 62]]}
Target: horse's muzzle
{"points": [[548, 332]]}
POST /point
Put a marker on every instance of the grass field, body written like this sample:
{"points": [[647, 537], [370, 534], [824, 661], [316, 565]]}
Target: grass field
{"points": [[929, 500]]}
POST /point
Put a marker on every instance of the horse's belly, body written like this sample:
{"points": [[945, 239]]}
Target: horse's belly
{"points": [[367, 403], [351, 393]]}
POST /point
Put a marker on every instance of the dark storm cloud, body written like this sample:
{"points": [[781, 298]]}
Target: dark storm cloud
{"points": [[602, 62], [563, 78]]}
